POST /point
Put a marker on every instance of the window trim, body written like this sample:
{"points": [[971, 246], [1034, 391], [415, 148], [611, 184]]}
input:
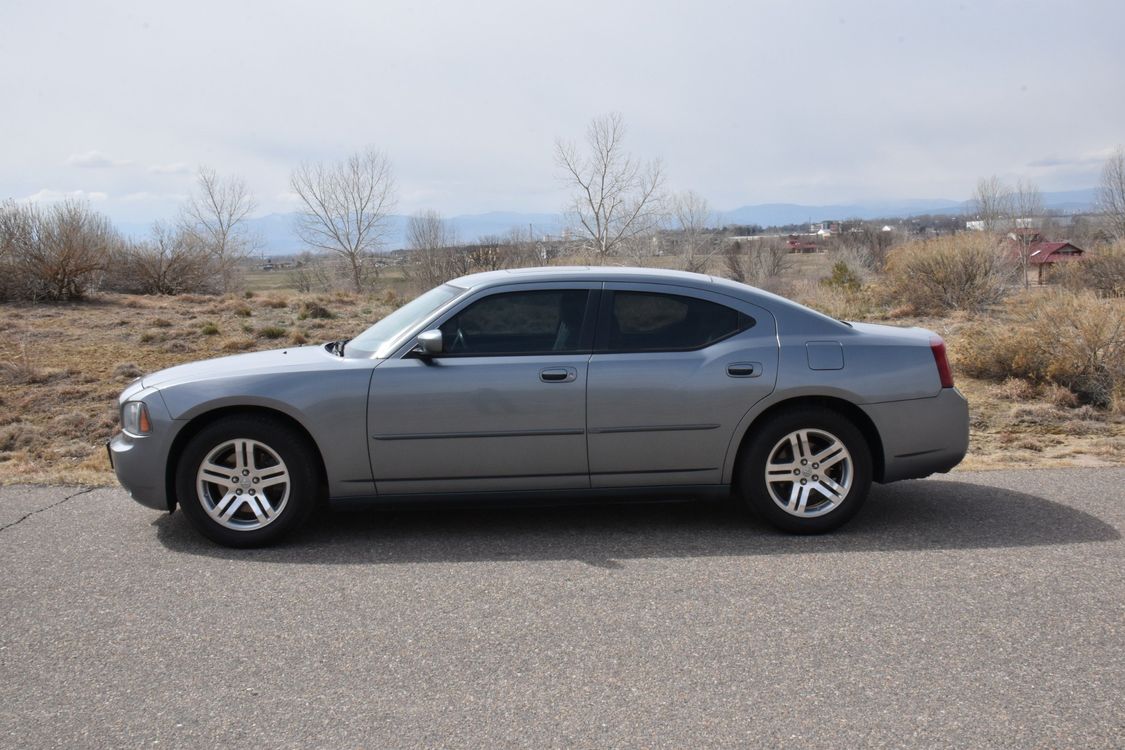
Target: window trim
{"points": [[585, 337], [605, 311]]}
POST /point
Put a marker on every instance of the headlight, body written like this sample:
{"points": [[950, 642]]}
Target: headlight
{"points": [[134, 418]]}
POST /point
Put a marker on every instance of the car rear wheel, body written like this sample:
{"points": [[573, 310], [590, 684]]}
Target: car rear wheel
{"points": [[806, 471], [245, 481]]}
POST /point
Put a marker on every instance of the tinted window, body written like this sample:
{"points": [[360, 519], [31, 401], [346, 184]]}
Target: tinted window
{"points": [[641, 321], [518, 323]]}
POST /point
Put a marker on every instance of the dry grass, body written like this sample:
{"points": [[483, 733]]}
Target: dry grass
{"points": [[62, 367]]}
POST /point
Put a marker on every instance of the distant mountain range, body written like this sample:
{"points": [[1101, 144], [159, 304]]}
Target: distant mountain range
{"points": [[278, 238]]}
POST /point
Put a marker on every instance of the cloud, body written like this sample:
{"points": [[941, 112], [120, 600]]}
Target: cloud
{"points": [[1095, 157], [144, 195], [174, 168], [50, 195], [95, 160]]}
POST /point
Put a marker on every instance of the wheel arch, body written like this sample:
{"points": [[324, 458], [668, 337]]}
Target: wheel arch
{"points": [[202, 420], [839, 405]]}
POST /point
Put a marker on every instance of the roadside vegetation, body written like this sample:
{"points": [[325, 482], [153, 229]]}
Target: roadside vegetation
{"points": [[84, 311]]}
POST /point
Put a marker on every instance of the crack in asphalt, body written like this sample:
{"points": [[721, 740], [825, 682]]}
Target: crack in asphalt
{"points": [[26, 516]]}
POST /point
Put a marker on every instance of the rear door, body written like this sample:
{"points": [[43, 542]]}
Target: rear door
{"points": [[673, 372]]}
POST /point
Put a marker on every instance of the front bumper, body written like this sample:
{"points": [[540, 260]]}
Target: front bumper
{"points": [[921, 436], [139, 464], [140, 461]]}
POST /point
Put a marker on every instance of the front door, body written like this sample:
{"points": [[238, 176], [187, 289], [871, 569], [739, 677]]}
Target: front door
{"points": [[503, 406]]}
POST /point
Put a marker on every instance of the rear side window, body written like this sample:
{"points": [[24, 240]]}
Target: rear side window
{"points": [[650, 322], [539, 322]]}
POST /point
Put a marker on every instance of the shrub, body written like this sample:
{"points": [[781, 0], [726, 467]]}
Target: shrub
{"points": [[1074, 340], [962, 272], [209, 329], [1101, 271], [271, 332], [170, 261], [56, 253], [310, 309], [843, 278], [127, 371], [236, 345]]}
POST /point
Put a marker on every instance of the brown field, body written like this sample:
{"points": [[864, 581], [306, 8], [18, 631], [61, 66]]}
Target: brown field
{"points": [[62, 366]]}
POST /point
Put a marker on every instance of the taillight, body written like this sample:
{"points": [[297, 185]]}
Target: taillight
{"points": [[945, 372]]}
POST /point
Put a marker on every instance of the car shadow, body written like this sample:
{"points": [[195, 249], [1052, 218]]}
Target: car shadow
{"points": [[916, 515]]}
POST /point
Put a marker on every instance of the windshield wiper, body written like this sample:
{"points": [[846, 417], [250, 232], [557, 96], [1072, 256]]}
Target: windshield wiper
{"points": [[337, 347]]}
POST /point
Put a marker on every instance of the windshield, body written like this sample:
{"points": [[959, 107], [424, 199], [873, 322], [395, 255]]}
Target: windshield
{"points": [[405, 317]]}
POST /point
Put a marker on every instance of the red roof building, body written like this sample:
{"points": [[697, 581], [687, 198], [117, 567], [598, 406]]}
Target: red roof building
{"points": [[1045, 254]]}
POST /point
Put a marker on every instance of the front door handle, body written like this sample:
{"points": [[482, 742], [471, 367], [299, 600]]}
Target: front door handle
{"points": [[744, 369], [558, 374]]}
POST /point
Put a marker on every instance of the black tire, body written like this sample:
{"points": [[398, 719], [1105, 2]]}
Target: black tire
{"points": [[822, 424], [268, 440]]}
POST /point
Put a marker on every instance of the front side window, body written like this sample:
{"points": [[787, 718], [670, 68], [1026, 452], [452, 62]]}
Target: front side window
{"points": [[538, 322], [647, 322]]}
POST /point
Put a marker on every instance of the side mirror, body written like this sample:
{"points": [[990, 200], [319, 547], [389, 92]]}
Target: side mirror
{"points": [[429, 343]]}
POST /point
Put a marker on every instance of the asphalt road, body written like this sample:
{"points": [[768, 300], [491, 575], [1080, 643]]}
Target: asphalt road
{"points": [[975, 610]]}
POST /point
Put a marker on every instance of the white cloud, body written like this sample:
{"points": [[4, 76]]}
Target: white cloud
{"points": [[95, 160], [50, 195], [144, 195], [174, 168]]}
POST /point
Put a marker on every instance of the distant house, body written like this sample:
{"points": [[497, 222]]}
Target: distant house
{"points": [[1043, 255], [798, 245]]}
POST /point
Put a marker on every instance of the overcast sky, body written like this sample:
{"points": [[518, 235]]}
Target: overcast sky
{"points": [[746, 102]]}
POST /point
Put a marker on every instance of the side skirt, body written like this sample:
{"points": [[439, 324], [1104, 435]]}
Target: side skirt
{"points": [[524, 498]]}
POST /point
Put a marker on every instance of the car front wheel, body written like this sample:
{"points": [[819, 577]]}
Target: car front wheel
{"points": [[806, 471], [245, 481]]}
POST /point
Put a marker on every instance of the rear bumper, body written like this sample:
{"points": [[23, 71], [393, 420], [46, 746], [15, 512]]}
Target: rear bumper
{"points": [[921, 436]]}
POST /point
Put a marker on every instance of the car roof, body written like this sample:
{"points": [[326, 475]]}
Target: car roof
{"points": [[586, 273], [642, 275]]}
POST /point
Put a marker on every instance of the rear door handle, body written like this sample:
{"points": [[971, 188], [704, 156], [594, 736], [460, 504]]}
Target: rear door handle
{"points": [[744, 369], [558, 374]]}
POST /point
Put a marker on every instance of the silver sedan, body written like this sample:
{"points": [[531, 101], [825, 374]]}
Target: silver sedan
{"points": [[549, 384]]}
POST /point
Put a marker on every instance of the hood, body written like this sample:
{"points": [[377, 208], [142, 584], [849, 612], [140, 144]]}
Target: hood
{"points": [[242, 364]]}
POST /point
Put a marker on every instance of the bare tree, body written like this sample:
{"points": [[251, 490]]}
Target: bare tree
{"points": [[311, 273], [615, 197], [693, 217], [1111, 194], [432, 241], [170, 261], [523, 247], [1026, 205], [346, 206], [760, 262], [216, 215], [991, 202]]}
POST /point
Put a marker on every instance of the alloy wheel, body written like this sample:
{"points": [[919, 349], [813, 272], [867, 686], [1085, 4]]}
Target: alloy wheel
{"points": [[809, 473], [243, 484]]}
